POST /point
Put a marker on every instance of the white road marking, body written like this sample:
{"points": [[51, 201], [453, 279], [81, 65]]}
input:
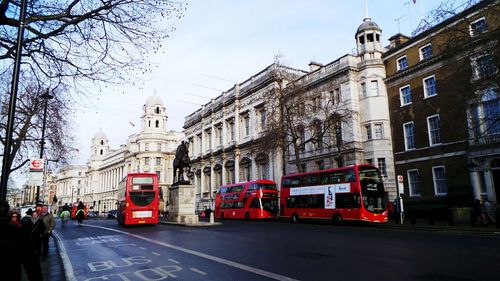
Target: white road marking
{"points": [[203, 255], [121, 245], [68, 268], [142, 248], [156, 254], [173, 261], [197, 271]]}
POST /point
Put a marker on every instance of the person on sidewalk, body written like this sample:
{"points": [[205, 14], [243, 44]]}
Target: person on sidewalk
{"points": [[15, 219], [17, 250], [49, 224], [37, 231], [489, 211]]}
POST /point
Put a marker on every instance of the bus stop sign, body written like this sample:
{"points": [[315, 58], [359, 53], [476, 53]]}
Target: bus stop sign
{"points": [[36, 165]]}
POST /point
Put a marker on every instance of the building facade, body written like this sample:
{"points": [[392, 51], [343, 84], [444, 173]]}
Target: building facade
{"points": [[152, 150], [445, 111], [223, 134]]}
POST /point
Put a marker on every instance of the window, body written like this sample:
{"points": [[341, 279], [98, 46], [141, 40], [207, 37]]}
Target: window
{"points": [[158, 174], [318, 128], [382, 166], [413, 183], [485, 114], [402, 63], [247, 126], [146, 146], [302, 136], [157, 124], [262, 114], [478, 26], [158, 161], [230, 126], [315, 104], [409, 134], [405, 95], [218, 134], [157, 110], [208, 134], [439, 177], [158, 146], [374, 88], [320, 165], [379, 132], [483, 66], [335, 97], [429, 86], [363, 90], [146, 161], [368, 129], [434, 130], [426, 52]]}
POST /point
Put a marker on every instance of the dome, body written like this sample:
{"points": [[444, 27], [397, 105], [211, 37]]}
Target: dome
{"points": [[100, 136], [154, 100], [368, 24]]}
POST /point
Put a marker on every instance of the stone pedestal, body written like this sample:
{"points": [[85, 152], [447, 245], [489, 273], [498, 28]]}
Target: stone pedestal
{"points": [[182, 204]]}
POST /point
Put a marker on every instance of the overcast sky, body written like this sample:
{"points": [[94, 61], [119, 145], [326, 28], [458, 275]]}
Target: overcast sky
{"points": [[220, 42]]}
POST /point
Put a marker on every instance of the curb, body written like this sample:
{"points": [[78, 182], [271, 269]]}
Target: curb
{"points": [[199, 224], [66, 264]]}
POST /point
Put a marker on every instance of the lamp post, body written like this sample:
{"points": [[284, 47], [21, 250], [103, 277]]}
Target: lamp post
{"points": [[46, 96], [12, 105]]}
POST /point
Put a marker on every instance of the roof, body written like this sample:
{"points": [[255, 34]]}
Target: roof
{"points": [[368, 24], [154, 100]]}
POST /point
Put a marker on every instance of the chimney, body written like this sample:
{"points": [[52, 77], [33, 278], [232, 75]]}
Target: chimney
{"points": [[397, 40], [314, 66]]}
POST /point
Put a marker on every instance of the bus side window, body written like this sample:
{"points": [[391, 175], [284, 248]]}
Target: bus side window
{"points": [[313, 179], [350, 176]]}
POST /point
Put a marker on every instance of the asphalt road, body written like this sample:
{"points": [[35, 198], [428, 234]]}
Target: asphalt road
{"points": [[241, 250]]}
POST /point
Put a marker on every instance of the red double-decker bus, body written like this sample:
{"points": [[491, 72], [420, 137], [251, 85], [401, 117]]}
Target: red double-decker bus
{"points": [[138, 199], [353, 193], [247, 200]]}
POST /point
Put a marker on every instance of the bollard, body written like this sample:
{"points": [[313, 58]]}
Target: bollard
{"points": [[211, 217]]}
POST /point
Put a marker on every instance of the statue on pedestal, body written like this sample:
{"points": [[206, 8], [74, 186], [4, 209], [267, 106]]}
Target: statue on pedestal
{"points": [[181, 163]]}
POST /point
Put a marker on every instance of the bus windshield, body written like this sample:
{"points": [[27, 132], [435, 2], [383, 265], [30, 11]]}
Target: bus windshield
{"points": [[372, 188], [142, 198]]}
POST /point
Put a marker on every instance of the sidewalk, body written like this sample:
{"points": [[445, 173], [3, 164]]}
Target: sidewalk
{"points": [[52, 268], [443, 226]]}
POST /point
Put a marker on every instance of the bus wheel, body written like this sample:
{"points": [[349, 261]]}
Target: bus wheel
{"points": [[247, 216], [295, 218], [337, 219]]}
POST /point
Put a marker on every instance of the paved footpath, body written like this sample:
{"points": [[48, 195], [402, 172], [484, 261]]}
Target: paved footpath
{"points": [[52, 268]]}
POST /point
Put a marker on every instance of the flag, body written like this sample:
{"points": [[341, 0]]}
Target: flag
{"points": [[130, 122]]}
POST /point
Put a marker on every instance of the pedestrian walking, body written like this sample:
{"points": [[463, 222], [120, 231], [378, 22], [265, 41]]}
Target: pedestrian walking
{"points": [[17, 250], [49, 224], [489, 211], [37, 232]]}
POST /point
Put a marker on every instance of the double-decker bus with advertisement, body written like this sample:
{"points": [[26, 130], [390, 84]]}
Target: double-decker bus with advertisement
{"points": [[353, 193], [247, 200], [138, 199]]}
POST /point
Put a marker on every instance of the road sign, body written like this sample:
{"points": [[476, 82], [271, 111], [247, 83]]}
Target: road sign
{"points": [[36, 165], [35, 179], [401, 184]]}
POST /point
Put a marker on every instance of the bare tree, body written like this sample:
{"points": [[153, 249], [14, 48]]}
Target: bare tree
{"points": [[28, 125], [299, 121], [86, 40]]}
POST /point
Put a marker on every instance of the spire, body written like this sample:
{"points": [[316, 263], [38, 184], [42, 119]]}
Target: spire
{"points": [[366, 9]]}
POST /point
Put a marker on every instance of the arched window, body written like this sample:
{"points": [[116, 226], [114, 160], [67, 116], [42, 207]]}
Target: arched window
{"points": [[102, 142], [157, 123], [149, 123], [102, 152], [157, 110]]}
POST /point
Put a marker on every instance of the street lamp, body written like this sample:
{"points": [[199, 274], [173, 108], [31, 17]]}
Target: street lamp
{"points": [[46, 96]]}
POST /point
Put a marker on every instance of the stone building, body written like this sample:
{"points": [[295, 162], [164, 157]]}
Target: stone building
{"points": [[445, 111], [152, 150], [223, 133]]}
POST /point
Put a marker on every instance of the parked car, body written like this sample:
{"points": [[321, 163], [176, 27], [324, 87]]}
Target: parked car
{"points": [[112, 214], [91, 215]]}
